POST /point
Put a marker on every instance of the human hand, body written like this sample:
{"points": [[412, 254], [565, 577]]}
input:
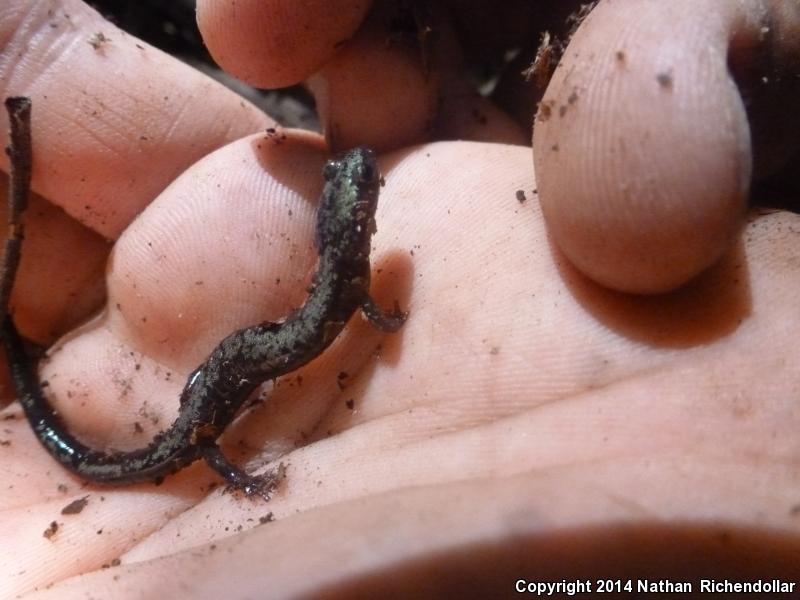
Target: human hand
{"points": [[524, 422]]}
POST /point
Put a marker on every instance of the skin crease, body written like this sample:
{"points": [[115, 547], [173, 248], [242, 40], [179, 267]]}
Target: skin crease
{"points": [[532, 410]]}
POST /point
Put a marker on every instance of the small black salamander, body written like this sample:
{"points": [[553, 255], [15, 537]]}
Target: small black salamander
{"points": [[245, 359]]}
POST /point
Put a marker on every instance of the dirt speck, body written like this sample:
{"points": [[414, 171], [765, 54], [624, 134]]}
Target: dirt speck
{"points": [[51, 530], [665, 80], [76, 506], [98, 40]]}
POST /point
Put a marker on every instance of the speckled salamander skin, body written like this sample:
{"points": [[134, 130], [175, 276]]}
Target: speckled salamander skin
{"points": [[216, 390]]}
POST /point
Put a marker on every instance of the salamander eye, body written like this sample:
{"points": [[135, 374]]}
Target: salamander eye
{"points": [[331, 168], [365, 173]]}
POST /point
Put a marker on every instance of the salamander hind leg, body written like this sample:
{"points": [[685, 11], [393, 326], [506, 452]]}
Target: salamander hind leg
{"points": [[251, 485], [390, 321]]}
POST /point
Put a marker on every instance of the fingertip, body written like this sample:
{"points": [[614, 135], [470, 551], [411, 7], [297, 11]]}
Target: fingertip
{"points": [[277, 43], [642, 148]]}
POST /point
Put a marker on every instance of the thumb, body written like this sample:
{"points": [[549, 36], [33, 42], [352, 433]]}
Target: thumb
{"points": [[642, 146]]}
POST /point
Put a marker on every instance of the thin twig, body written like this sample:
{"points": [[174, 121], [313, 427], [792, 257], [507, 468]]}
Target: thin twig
{"points": [[19, 183]]}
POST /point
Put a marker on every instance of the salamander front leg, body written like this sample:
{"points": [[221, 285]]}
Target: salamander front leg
{"points": [[385, 321], [251, 485]]}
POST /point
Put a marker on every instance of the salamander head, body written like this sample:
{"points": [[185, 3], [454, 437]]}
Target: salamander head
{"points": [[346, 214]]}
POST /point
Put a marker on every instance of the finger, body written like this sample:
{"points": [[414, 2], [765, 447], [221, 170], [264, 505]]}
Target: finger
{"points": [[372, 87], [376, 93], [389, 92], [53, 292], [114, 120], [104, 144], [642, 147], [277, 43]]}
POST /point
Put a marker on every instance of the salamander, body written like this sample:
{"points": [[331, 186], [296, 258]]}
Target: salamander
{"points": [[216, 390]]}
